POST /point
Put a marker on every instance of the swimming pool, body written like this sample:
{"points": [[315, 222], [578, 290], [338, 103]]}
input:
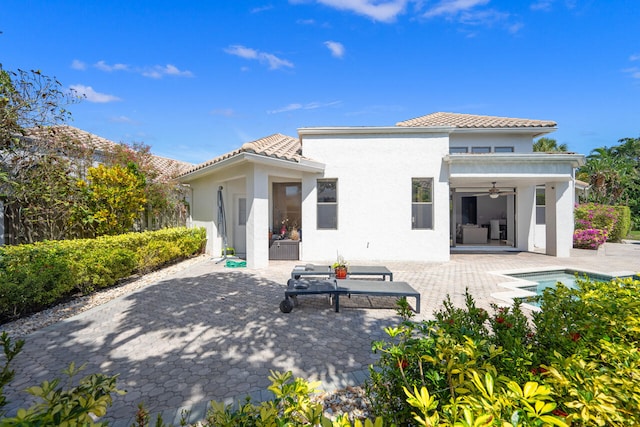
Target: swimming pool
{"points": [[526, 286], [545, 279]]}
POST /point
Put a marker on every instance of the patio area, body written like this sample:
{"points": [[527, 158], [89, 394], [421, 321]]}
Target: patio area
{"points": [[214, 333]]}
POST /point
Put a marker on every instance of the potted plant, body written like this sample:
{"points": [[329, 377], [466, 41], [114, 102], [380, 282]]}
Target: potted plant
{"points": [[340, 268]]}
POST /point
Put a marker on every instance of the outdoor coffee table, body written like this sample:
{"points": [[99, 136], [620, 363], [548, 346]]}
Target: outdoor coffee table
{"points": [[337, 287], [312, 270]]}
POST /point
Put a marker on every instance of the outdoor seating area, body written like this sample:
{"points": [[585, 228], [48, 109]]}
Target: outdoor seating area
{"points": [[220, 332], [304, 281]]}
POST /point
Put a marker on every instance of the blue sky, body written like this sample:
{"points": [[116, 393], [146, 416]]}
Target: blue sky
{"points": [[196, 79]]}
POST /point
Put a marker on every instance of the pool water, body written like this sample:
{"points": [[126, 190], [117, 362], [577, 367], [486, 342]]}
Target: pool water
{"points": [[545, 279]]}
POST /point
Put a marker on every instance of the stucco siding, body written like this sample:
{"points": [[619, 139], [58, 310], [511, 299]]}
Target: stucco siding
{"points": [[374, 197], [520, 143]]}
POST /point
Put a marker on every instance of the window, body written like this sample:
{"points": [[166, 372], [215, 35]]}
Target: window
{"points": [[540, 206], [454, 150], [287, 207], [479, 150], [503, 149], [327, 204], [421, 203]]}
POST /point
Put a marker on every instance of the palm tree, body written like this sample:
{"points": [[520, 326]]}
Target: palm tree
{"points": [[549, 145]]}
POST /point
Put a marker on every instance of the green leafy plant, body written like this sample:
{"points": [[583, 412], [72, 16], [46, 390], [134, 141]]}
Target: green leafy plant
{"points": [[75, 405], [10, 351]]}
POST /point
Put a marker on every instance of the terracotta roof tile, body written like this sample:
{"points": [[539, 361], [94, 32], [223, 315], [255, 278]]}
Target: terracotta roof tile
{"points": [[277, 145], [473, 121], [168, 168]]}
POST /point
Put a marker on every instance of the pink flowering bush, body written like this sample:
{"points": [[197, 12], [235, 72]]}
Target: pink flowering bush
{"points": [[591, 238], [593, 224]]}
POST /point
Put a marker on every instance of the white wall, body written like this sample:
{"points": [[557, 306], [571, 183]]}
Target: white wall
{"points": [[374, 175], [520, 143]]}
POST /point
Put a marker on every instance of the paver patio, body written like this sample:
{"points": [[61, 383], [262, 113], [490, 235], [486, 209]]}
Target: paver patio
{"points": [[213, 333]]}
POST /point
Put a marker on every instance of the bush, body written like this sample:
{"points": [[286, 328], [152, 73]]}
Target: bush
{"points": [[594, 224], [35, 276], [577, 364], [623, 223]]}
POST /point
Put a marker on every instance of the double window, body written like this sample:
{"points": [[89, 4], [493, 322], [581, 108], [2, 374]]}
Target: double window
{"points": [[327, 204], [421, 203]]}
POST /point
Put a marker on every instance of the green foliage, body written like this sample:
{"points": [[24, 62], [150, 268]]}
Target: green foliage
{"points": [[114, 198], [35, 276], [548, 145], [578, 365], [623, 223], [76, 405], [291, 406], [614, 176], [594, 224], [10, 351]]}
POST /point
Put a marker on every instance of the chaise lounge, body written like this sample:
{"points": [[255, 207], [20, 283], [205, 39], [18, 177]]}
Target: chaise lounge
{"points": [[335, 288]]}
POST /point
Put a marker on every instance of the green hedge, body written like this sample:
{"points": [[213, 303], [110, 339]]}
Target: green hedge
{"points": [[35, 276], [623, 223]]}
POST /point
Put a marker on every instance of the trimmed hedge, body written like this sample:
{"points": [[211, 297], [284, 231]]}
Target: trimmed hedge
{"points": [[35, 276], [623, 224]]}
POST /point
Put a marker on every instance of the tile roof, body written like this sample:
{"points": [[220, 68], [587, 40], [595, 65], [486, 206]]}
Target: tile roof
{"points": [[471, 121], [168, 168], [278, 146]]}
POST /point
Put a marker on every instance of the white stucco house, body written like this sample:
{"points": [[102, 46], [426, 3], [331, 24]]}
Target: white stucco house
{"points": [[412, 191]]}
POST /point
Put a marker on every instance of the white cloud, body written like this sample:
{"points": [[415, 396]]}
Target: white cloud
{"points": [[93, 96], [261, 9], [123, 119], [103, 66], [308, 106], [155, 71], [159, 71], [225, 112], [634, 72], [635, 57], [247, 53], [384, 11], [453, 7], [76, 64], [544, 5], [336, 48]]}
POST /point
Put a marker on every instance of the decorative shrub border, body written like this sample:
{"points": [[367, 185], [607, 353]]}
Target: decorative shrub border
{"points": [[35, 276]]}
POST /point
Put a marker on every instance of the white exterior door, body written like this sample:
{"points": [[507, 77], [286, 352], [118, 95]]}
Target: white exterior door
{"points": [[240, 224]]}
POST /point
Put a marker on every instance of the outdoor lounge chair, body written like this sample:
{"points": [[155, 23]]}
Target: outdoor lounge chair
{"points": [[312, 270], [335, 288]]}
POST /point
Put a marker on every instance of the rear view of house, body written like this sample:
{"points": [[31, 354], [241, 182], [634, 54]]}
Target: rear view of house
{"points": [[406, 192]]}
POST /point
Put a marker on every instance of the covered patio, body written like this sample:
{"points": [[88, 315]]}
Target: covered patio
{"points": [[501, 192]]}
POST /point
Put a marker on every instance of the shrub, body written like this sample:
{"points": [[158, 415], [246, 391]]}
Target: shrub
{"points": [[590, 238], [623, 223], [35, 276], [593, 225], [77, 406], [578, 365]]}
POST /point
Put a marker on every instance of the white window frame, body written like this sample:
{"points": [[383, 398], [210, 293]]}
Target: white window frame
{"points": [[415, 204], [321, 204]]}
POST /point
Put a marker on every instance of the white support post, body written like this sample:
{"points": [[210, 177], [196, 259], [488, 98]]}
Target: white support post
{"points": [[559, 218], [258, 218], [525, 218]]}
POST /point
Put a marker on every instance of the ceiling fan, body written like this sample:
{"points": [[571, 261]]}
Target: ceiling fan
{"points": [[495, 192]]}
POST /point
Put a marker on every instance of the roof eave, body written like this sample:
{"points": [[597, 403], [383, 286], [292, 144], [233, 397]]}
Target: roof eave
{"points": [[535, 131], [304, 165], [576, 160], [363, 130]]}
